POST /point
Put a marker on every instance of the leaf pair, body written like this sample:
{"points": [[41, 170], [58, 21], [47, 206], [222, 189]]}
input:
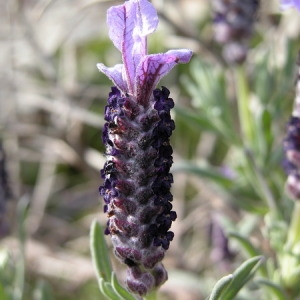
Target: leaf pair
{"points": [[107, 280], [228, 286]]}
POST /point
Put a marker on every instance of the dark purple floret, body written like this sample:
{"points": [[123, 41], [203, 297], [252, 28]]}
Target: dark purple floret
{"points": [[291, 163], [233, 26], [5, 192], [292, 141], [137, 180], [291, 146]]}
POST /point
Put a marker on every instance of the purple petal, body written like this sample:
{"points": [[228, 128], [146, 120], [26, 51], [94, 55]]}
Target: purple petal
{"points": [[285, 4], [129, 24], [115, 74], [146, 19], [153, 67]]}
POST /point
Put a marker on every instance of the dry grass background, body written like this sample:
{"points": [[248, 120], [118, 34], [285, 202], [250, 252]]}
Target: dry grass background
{"points": [[52, 99]]}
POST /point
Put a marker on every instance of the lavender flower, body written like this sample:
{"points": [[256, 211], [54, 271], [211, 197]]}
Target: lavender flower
{"points": [[233, 24], [285, 4], [292, 146], [5, 192], [136, 175]]}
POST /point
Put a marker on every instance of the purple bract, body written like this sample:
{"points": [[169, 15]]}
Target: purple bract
{"points": [[129, 24]]}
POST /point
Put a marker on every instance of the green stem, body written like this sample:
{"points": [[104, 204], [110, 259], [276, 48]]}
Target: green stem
{"points": [[20, 275], [290, 262], [20, 270], [248, 137], [262, 186], [151, 296], [294, 230], [243, 97]]}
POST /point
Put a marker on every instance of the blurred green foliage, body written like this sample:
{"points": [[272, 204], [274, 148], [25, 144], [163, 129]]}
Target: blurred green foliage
{"points": [[53, 101]]}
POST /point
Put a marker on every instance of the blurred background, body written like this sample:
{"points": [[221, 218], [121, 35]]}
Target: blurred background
{"points": [[52, 99]]}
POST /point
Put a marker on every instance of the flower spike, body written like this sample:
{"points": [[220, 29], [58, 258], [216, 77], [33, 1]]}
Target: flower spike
{"points": [[137, 178], [291, 145]]}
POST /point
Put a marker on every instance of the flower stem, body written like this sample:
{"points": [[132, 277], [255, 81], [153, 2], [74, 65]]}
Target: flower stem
{"points": [[294, 230], [248, 137], [290, 261], [243, 97], [18, 291]]}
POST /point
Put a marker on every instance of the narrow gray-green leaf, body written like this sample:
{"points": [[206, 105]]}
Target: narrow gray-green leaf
{"points": [[241, 276], [42, 291], [275, 291], [205, 172], [19, 280], [22, 209], [220, 286], [119, 290], [110, 291], [99, 251], [199, 120], [107, 290], [245, 243], [3, 295], [101, 284], [248, 247]]}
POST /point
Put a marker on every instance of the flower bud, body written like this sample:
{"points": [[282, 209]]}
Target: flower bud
{"points": [[5, 192], [233, 25], [291, 145]]}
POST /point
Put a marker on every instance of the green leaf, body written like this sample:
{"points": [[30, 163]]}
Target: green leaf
{"points": [[99, 251], [19, 280], [3, 295], [110, 291], [220, 286], [151, 296], [207, 86], [42, 291], [204, 172], [119, 290], [264, 137], [274, 290], [22, 210], [245, 243], [241, 276], [107, 290], [204, 122], [197, 119]]}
